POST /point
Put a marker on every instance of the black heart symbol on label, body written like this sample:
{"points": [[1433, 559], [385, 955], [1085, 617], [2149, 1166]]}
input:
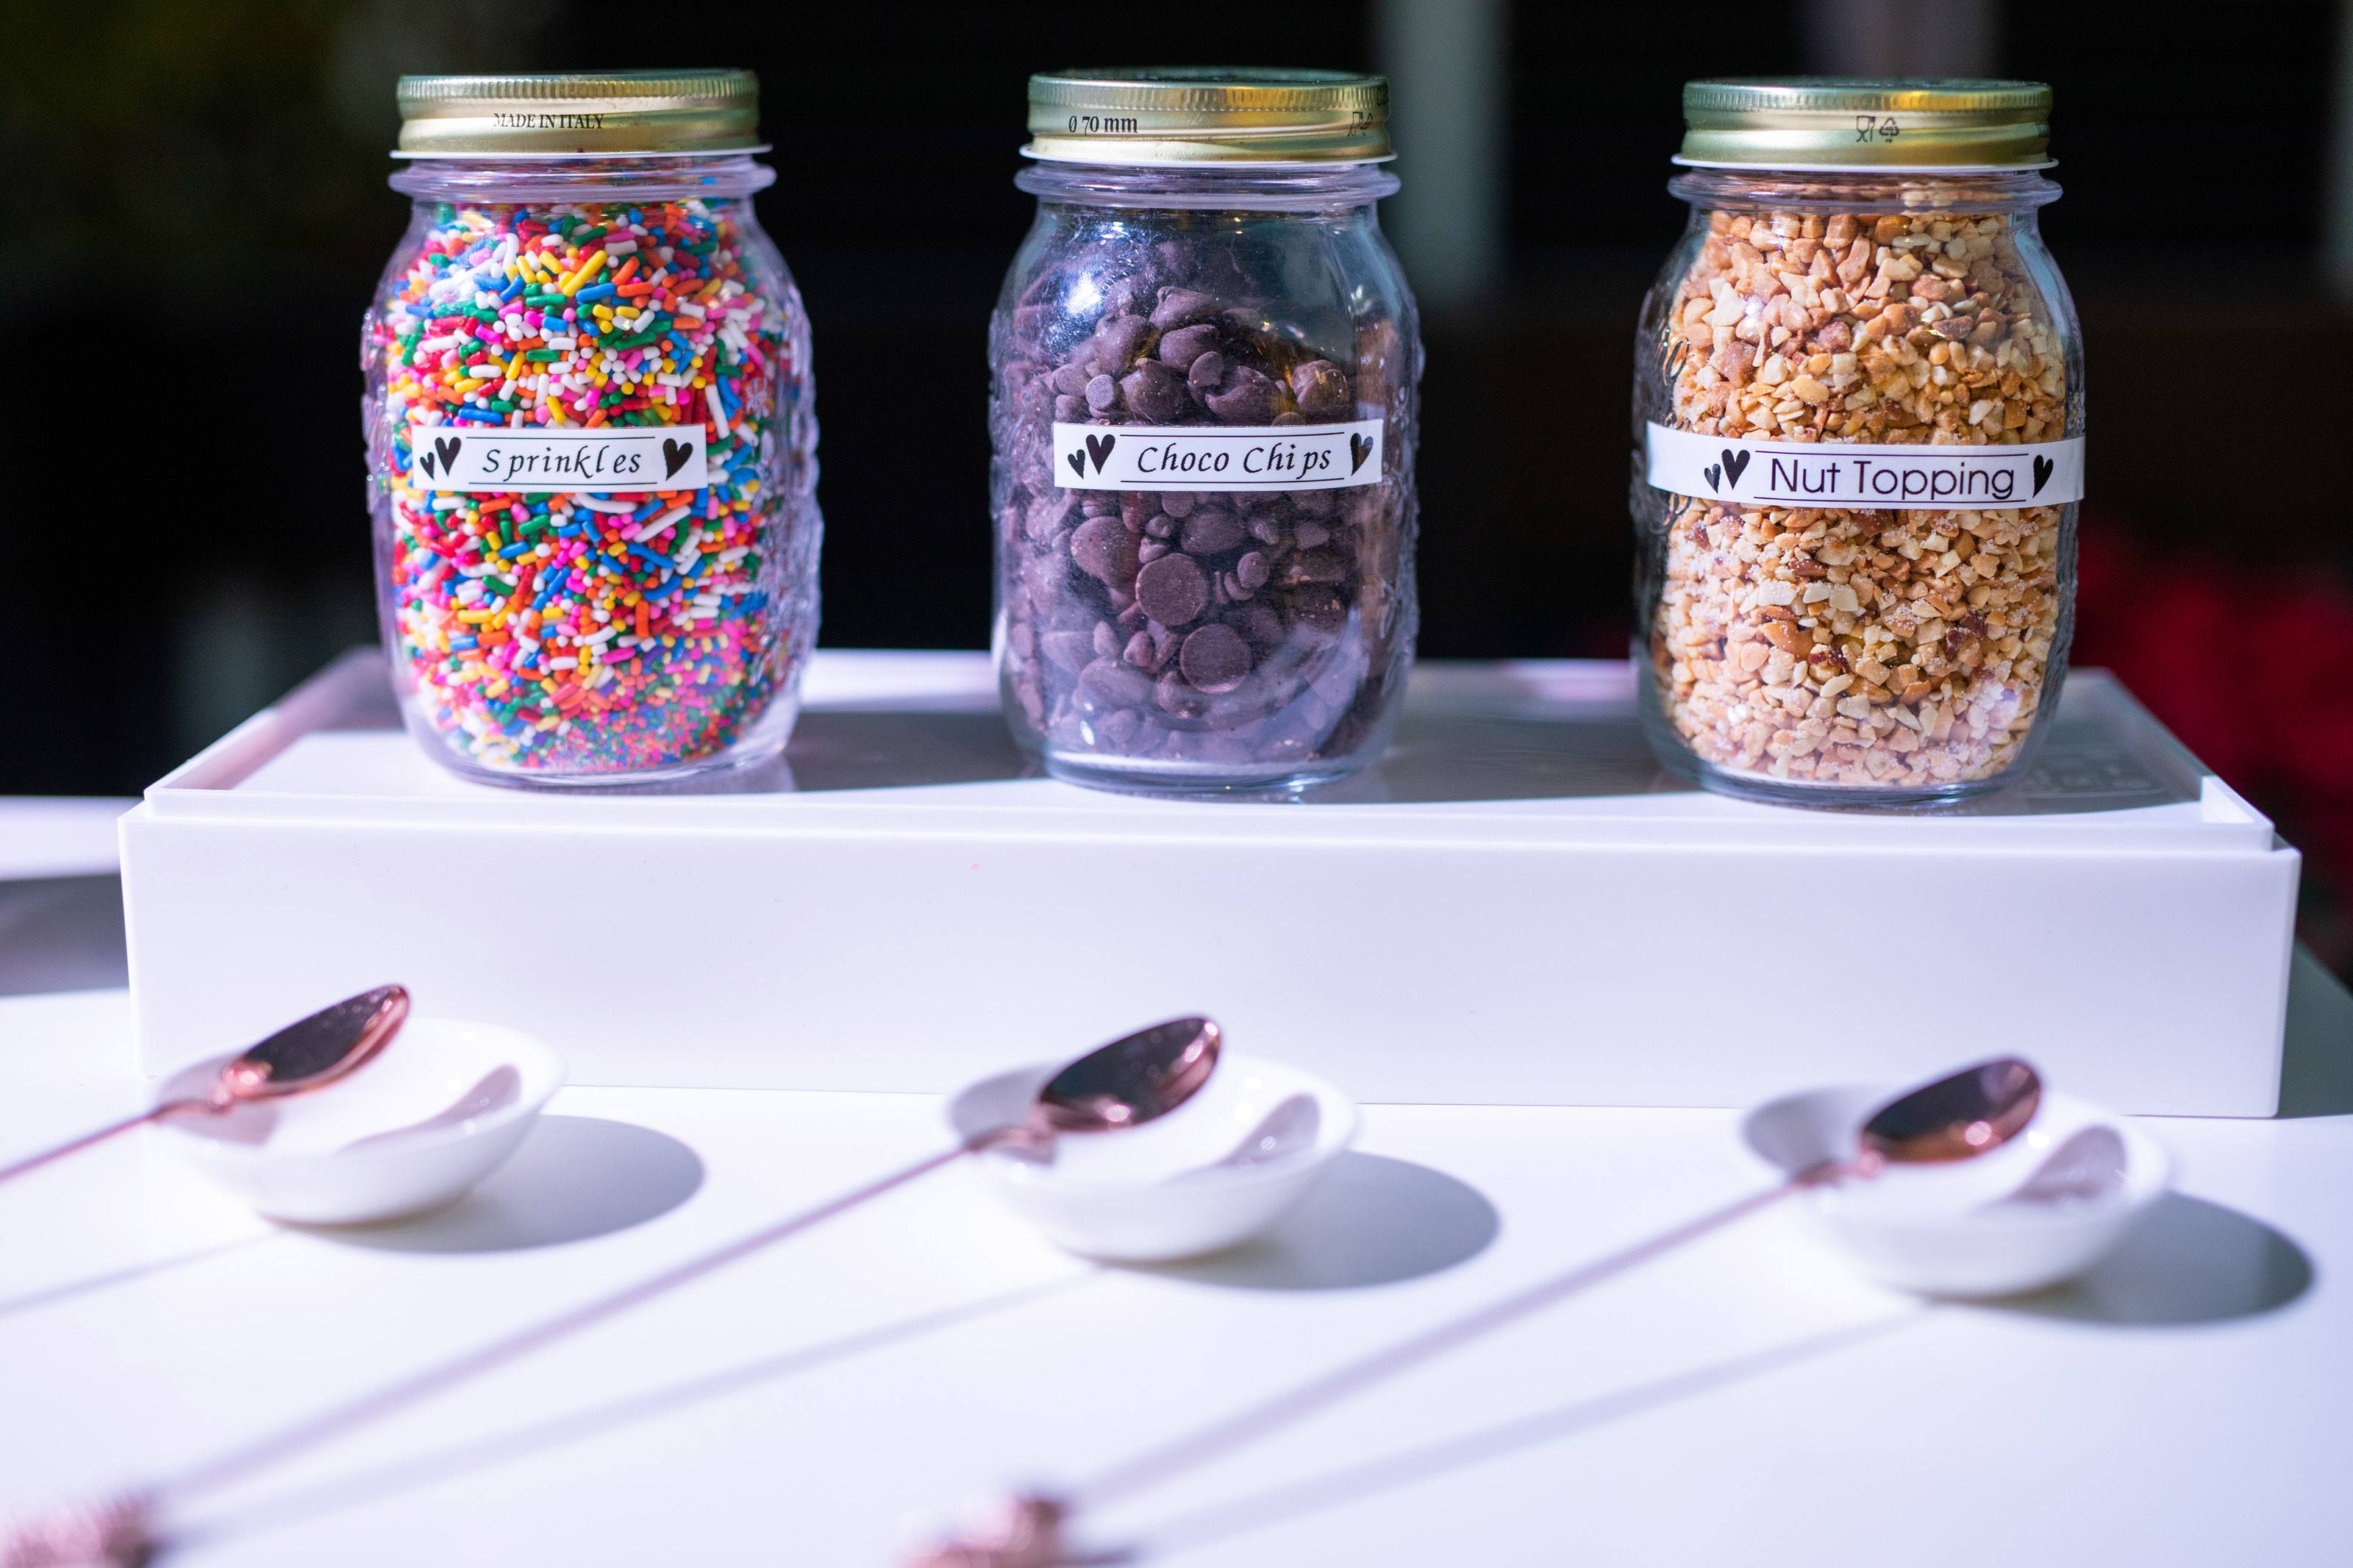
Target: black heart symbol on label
{"points": [[425, 461], [1077, 461], [448, 446], [1360, 449], [674, 456], [1099, 449], [1711, 473], [1735, 464], [2043, 467]]}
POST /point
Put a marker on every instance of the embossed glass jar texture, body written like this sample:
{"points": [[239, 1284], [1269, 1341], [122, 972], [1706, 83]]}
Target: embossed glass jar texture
{"points": [[1203, 396]]}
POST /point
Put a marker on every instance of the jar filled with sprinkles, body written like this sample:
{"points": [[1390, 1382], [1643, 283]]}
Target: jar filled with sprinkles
{"points": [[591, 448]]}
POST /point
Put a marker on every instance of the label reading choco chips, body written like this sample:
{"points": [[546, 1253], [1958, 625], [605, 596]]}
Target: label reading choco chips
{"points": [[1234, 458]]}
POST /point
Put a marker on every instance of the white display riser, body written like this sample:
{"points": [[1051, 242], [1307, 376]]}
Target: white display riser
{"points": [[1517, 906]]}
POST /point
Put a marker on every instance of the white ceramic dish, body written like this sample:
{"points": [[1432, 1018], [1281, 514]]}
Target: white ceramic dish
{"points": [[2076, 1181], [1215, 1171], [417, 1128]]}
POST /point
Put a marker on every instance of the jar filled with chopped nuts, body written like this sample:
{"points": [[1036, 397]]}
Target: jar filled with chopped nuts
{"points": [[1204, 371], [1858, 401]]}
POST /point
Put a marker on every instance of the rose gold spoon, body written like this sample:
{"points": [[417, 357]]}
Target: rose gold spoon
{"points": [[311, 1053], [1135, 1079], [1971, 1113]]}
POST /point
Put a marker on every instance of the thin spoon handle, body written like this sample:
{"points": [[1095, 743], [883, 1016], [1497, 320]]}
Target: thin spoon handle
{"points": [[34, 1162], [305, 1435], [1298, 1403]]}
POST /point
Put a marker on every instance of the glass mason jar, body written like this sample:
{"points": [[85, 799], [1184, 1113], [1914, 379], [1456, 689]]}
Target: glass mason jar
{"points": [[1859, 399], [591, 451], [1204, 381]]}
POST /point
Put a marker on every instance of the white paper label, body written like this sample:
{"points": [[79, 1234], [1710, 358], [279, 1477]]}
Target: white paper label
{"points": [[493, 457], [1215, 457], [1859, 475]]}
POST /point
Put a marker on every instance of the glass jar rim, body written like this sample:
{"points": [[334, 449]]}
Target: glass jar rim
{"points": [[1244, 187], [502, 178], [1851, 189]]}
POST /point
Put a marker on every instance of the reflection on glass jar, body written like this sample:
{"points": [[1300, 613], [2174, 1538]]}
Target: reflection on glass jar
{"points": [[1859, 394], [1204, 373], [592, 452]]}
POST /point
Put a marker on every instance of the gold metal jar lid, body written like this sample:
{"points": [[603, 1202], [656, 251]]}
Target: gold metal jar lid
{"points": [[1895, 124], [1209, 114], [572, 112]]}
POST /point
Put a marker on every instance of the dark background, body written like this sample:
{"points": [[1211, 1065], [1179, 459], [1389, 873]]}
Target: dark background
{"points": [[198, 212]]}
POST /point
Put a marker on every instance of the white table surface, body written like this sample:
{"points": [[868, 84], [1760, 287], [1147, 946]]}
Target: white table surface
{"points": [[822, 1402]]}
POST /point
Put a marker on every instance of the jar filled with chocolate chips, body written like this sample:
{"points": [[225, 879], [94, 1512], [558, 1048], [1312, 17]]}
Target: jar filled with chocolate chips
{"points": [[1204, 374], [1859, 392]]}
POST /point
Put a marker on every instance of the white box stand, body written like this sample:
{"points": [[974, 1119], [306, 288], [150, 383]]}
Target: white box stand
{"points": [[1515, 907]]}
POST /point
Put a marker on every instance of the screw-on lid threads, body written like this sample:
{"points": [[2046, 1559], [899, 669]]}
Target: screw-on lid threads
{"points": [[1866, 122], [1209, 114], [579, 112]]}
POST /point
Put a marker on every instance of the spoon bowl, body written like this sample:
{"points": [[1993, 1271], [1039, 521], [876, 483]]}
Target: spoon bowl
{"points": [[1136, 1079], [2045, 1220], [1245, 1151], [434, 1120], [311, 1053]]}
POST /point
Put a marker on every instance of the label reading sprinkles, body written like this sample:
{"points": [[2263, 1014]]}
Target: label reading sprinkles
{"points": [[1236, 458], [493, 458], [1860, 476]]}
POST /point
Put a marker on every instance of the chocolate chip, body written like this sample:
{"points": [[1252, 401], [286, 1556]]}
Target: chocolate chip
{"points": [[1259, 624], [1152, 550], [1206, 374], [1215, 658], [1187, 344], [1106, 640], [1173, 590], [1070, 409], [1103, 395], [1161, 527], [1155, 393], [1178, 503], [1182, 308], [1117, 341], [1141, 652], [1108, 683], [1175, 697], [1320, 390], [1252, 571], [1119, 728], [1072, 650], [1071, 380], [1247, 397], [1308, 535], [1104, 550], [1211, 532]]}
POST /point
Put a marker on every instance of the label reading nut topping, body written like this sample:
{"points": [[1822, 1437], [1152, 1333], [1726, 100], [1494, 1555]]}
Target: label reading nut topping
{"points": [[1859, 475], [1234, 458], [492, 458]]}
